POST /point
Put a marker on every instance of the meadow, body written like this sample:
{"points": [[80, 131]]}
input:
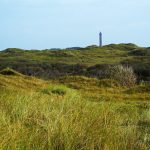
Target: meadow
{"points": [[72, 113]]}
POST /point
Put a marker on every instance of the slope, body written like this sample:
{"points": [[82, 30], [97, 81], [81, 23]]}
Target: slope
{"points": [[55, 63], [71, 113]]}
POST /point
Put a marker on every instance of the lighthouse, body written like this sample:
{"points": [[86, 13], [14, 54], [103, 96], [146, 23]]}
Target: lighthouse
{"points": [[100, 39]]}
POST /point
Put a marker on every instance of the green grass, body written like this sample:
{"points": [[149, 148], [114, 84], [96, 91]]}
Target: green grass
{"points": [[110, 90], [72, 113], [86, 56]]}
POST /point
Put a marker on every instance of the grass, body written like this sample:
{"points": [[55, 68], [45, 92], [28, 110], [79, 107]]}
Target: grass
{"points": [[77, 113], [110, 90], [9, 71], [50, 64], [86, 56], [58, 90]]}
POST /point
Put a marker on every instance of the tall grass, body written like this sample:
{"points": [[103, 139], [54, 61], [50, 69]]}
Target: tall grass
{"points": [[68, 122]]}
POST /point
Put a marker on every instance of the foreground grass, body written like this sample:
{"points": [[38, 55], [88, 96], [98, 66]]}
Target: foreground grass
{"points": [[61, 118]]}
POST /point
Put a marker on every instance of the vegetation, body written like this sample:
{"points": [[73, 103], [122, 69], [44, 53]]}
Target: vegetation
{"points": [[90, 61], [124, 75], [92, 99], [73, 112], [9, 71]]}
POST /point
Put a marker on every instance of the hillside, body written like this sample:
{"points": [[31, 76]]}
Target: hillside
{"points": [[83, 61], [91, 87], [73, 112]]}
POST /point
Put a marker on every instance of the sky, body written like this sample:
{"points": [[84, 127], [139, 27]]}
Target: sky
{"points": [[44, 24]]}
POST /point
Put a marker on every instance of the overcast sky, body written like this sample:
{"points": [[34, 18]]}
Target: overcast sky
{"points": [[40, 24]]}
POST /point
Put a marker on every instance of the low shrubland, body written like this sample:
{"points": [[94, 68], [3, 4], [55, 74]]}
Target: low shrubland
{"points": [[91, 61]]}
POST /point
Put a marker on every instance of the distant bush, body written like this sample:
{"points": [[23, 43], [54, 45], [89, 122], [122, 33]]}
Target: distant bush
{"points": [[92, 46], [140, 52], [123, 74], [99, 71], [122, 46]]}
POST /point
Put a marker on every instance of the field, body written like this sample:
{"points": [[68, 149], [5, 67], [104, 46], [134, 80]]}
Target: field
{"points": [[72, 113]]}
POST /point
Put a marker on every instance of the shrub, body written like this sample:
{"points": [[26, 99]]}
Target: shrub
{"points": [[123, 74]]}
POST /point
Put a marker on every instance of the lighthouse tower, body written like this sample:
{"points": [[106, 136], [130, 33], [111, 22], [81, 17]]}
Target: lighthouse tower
{"points": [[100, 39]]}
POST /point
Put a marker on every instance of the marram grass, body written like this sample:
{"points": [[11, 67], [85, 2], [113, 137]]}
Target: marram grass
{"points": [[44, 118], [38, 121]]}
